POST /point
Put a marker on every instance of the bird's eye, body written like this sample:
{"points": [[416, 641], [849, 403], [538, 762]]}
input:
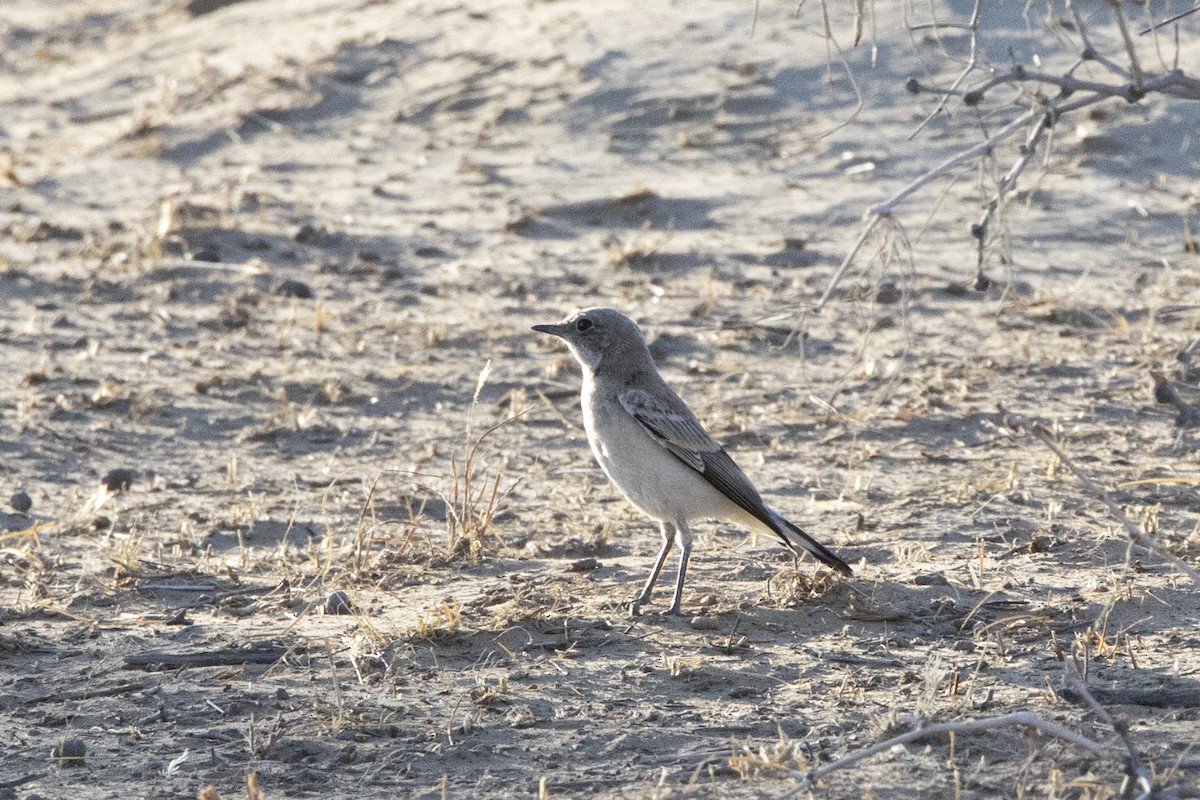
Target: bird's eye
{"points": [[583, 324]]}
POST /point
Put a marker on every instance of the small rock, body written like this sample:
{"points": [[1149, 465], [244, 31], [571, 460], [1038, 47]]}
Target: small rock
{"points": [[338, 603], [888, 294], [317, 236], [119, 479], [20, 501], [198, 8], [702, 623], [294, 288], [583, 565], [70, 753]]}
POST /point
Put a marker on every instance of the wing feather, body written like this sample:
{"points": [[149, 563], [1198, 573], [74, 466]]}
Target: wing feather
{"points": [[682, 434], [678, 430]]}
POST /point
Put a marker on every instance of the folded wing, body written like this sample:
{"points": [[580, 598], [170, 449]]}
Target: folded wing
{"points": [[678, 430]]}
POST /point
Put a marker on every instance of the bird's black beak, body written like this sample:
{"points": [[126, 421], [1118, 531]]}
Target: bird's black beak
{"points": [[554, 329]]}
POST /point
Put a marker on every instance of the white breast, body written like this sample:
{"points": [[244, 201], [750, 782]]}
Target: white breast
{"points": [[656, 482]]}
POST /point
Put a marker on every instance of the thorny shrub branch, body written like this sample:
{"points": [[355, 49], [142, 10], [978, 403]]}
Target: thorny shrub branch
{"points": [[1051, 97]]}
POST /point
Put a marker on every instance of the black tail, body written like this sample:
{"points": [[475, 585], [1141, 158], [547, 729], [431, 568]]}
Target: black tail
{"points": [[798, 540]]}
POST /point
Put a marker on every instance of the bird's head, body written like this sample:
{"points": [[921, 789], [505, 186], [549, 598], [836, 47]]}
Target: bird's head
{"points": [[596, 334]]}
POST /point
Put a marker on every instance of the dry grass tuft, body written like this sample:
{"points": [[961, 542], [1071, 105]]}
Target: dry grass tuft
{"points": [[776, 759], [797, 587]]}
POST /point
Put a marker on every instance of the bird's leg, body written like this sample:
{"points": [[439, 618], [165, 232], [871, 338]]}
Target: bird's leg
{"points": [[668, 537], [683, 537]]}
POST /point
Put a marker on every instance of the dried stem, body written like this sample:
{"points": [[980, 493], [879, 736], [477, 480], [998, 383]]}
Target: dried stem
{"points": [[1135, 66], [1135, 769], [972, 64], [1136, 538], [1023, 719]]}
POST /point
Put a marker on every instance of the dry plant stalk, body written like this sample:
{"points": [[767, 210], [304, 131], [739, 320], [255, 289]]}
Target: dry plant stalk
{"points": [[1137, 774], [1022, 719], [1132, 528], [474, 500]]}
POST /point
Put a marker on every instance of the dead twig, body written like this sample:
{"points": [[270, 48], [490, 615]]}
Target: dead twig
{"points": [[1135, 66], [1090, 52], [89, 693], [1024, 719], [972, 65], [1041, 433], [1169, 20], [262, 653], [1137, 774]]}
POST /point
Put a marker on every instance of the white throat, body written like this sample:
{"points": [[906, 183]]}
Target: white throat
{"points": [[590, 360]]}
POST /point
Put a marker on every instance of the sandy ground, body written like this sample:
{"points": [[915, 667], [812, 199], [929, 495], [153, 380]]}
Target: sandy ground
{"points": [[266, 281]]}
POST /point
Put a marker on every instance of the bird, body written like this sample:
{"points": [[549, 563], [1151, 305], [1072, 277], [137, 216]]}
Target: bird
{"points": [[656, 452]]}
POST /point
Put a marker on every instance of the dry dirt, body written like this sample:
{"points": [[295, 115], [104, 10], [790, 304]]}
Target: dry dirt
{"points": [[278, 262]]}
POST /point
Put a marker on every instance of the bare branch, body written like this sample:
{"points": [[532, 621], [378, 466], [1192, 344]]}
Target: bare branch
{"points": [[1134, 767], [972, 64], [1090, 53], [1135, 66], [887, 207], [1168, 21], [1073, 94], [980, 229], [1136, 538], [1023, 719], [847, 261]]}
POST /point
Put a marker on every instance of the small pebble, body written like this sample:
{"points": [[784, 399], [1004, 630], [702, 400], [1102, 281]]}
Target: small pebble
{"points": [[294, 288], [338, 603], [583, 565], [119, 479], [70, 753], [20, 501], [705, 623]]}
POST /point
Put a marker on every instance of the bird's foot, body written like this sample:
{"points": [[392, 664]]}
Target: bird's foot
{"points": [[635, 607]]}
